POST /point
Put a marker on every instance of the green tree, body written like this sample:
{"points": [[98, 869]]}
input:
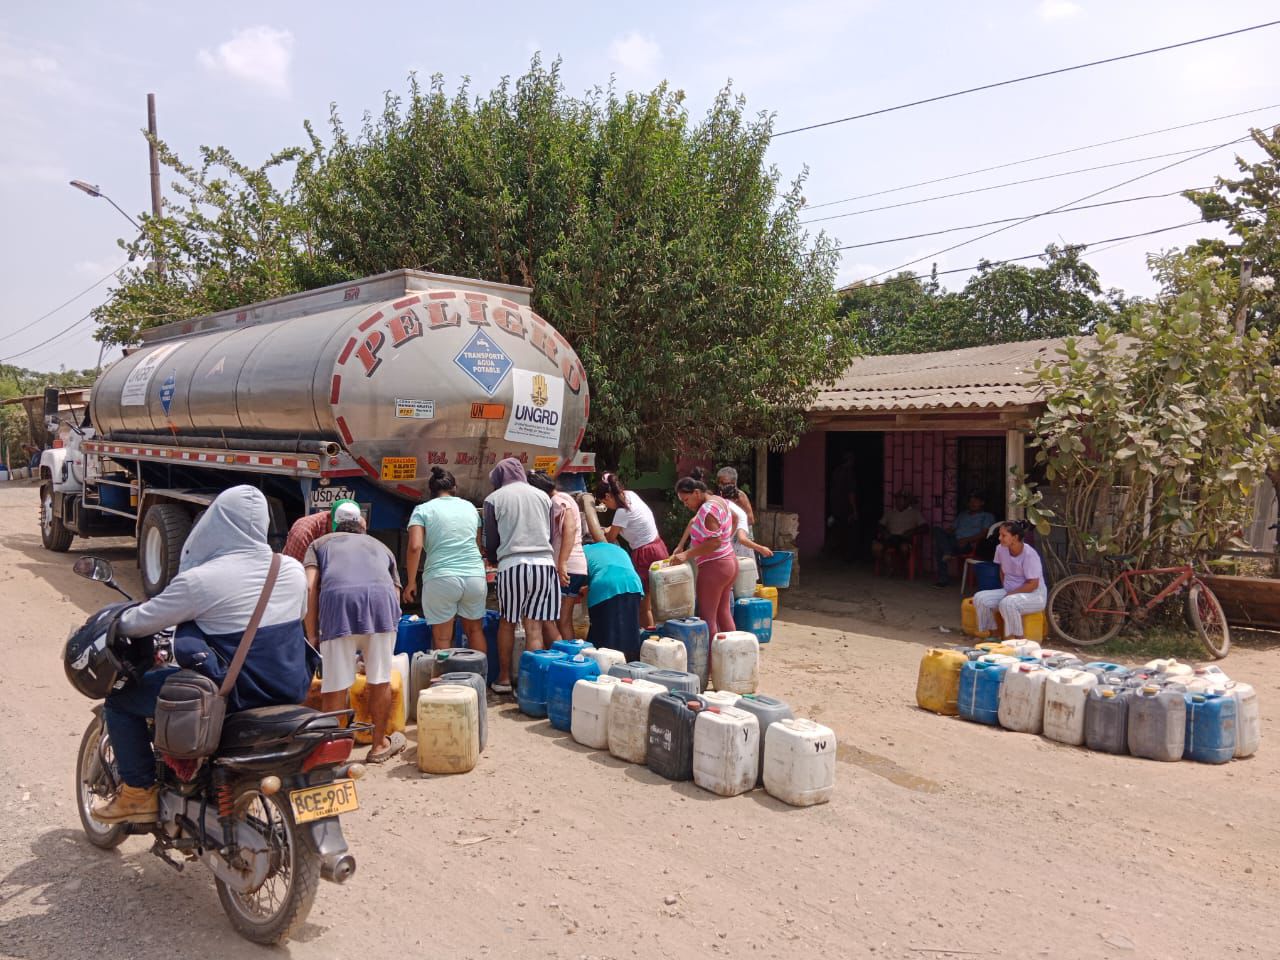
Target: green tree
{"points": [[1000, 303], [1249, 208], [667, 251], [15, 427], [1152, 438]]}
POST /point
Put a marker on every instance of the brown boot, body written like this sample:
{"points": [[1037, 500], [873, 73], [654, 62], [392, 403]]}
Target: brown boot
{"points": [[130, 805]]}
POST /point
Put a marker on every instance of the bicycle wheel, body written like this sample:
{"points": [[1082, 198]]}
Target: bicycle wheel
{"points": [[1207, 617], [1069, 613]]}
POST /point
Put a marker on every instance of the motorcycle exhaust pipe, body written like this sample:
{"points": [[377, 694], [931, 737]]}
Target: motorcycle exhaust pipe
{"points": [[338, 867]]}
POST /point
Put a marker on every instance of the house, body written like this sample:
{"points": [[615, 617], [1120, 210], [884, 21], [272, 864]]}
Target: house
{"points": [[940, 425]]}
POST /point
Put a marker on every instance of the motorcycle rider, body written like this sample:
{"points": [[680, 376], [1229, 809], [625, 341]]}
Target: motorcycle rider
{"points": [[221, 574]]}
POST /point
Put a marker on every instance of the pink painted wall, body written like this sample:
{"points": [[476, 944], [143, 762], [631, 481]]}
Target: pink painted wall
{"points": [[925, 464], [804, 472]]}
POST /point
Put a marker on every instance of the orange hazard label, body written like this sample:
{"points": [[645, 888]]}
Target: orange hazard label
{"points": [[399, 468], [488, 411]]}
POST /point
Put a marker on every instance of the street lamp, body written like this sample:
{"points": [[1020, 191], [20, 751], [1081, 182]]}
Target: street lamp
{"points": [[93, 191]]}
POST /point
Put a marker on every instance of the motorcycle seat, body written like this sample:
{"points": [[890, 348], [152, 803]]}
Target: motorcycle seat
{"points": [[263, 725]]}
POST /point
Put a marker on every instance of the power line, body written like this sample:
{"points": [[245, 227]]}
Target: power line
{"points": [[1030, 76], [49, 340], [1015, 183], [988, 223], [1061, 206], [45, 316], [862, 285], [1042, 156]]}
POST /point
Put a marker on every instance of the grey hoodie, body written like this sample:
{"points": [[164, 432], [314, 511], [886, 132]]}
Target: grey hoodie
{"points": [[517, 518], [221, 573]]}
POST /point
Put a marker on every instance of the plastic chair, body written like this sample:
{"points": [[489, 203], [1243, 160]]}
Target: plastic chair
{"points": [[913, 555]]}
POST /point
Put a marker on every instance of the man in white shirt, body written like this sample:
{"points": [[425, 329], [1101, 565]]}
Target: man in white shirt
{"points": [[898, 528]]}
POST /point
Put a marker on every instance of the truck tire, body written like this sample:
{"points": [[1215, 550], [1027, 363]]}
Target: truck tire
{"points": [[164, 531], [53, 533]]}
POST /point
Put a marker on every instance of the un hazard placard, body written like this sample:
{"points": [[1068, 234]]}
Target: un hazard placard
{"points": [[537, 408], [399, 468]]}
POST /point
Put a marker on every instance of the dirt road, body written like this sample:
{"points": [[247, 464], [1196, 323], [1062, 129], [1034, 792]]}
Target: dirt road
{"points": [[942, 835]]}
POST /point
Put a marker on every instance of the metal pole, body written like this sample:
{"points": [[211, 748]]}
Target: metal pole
{"points": [[1242, 314], [155, 176]]}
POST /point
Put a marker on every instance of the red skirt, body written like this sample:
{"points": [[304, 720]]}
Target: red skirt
{"points": [[650, 553]]}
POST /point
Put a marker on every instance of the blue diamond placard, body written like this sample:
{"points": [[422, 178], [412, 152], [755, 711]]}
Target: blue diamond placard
{"points": [[484, 362]]}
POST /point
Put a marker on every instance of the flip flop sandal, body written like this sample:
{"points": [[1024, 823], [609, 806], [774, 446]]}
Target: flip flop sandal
{"points": [[501, 688], [397, 745]]}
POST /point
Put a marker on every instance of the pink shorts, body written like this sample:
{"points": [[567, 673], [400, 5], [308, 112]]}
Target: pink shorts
{"points": [[650, 553]]}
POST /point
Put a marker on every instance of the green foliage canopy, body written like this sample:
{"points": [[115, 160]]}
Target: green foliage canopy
{"points": [[667, 252], [1001, 303], [1153, 439]]}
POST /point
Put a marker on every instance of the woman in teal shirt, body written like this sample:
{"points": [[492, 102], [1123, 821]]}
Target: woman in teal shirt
{"points": [[453, 580], [614, 592]]}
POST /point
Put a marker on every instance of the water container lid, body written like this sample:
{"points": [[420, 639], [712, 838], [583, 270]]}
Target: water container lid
{"points": [[628, 680], [1150, 688], [1197, 698], [1108, 692], [695, 705]]}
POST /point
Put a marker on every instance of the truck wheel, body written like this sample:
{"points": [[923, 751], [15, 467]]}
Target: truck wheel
{"points": [[53, 533], [164, 531]]}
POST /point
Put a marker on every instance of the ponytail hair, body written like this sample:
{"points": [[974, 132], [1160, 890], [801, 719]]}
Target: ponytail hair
{"points": [[442, 481], [611, 486], [690, 483], [540, 481], [730, 492], [698, 474], [1019, 528]]}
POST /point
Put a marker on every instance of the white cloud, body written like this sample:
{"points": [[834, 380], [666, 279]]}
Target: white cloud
{"points": [[635, 54], [259, 56], [11, 173], [1058, 9]]}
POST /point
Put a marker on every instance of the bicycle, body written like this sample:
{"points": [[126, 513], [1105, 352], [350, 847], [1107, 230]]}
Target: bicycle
{"points": [[1085, 610]]}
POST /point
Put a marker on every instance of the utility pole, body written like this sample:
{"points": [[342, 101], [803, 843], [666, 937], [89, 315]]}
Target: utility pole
{"points": [[154, 155], [1246, 274]]}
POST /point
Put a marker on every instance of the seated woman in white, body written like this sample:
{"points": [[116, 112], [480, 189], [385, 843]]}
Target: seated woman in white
{"points": [[1022, 579]]}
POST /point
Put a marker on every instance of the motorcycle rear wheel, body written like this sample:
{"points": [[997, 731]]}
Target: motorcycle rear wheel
{"points": [[96, 779], [270, 914]]}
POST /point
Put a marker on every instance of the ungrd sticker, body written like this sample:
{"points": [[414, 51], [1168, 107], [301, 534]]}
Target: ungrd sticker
{"points": [[399, 468], [537, 409]]}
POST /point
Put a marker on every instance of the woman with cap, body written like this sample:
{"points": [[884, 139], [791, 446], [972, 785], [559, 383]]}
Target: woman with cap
{"points": [[453, 579], [354, 606], [633, 520]]}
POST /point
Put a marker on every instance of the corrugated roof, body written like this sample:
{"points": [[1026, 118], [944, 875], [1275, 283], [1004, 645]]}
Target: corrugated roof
{"points": [[991, 377]]}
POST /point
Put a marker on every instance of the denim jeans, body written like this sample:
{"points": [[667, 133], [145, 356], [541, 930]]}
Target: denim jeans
{"points": [[126, 713]]}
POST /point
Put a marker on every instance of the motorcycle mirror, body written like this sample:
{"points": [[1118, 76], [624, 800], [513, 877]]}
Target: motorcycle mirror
{"points": [[93, 568]]}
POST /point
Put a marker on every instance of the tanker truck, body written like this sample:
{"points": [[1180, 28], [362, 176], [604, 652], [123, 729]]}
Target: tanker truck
{"points": [[354, 390]]}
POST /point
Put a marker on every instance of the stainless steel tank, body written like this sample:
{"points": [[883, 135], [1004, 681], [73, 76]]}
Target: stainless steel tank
{"points": [[404, 371]]}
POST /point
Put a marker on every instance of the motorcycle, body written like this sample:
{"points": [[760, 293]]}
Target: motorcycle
{"points": [[262, 813]]}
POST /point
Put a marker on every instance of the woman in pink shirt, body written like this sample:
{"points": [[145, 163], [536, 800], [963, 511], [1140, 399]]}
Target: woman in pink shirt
{"points": [[711, 548]]}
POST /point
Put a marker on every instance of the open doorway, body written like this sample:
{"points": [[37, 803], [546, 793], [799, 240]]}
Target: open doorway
{"points": [[850, 536], [980, 469]]}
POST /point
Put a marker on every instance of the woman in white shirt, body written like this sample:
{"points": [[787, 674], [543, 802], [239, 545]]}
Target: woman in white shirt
{"points": [[633, 521]]}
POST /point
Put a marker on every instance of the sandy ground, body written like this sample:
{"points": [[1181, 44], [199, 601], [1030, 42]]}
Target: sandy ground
{"points": [[943, 838]]}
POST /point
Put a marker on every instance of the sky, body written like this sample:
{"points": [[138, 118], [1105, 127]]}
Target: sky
{"points": [[74, 77]]}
